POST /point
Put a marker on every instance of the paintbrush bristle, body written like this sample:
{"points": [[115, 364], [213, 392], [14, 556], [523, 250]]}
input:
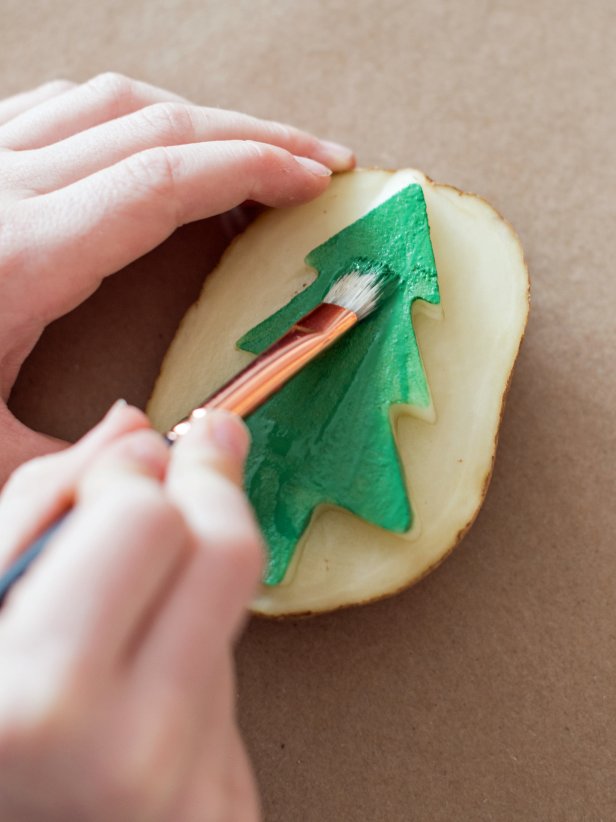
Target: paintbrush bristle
{"points": [[359, 291]]}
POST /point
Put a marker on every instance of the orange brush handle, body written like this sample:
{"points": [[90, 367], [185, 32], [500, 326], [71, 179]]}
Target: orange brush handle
{"points": [[268, 372], [242, 395]]}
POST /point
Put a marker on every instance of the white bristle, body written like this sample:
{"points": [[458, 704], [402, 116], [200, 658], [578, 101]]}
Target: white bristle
{"points": [[358, 291]]}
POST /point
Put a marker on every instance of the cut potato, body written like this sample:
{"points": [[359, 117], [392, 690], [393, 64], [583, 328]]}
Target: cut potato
{"points": [[468, 345]]}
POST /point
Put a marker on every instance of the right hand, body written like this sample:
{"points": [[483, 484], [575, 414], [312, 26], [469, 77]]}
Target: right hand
{"points": [[117, 688]]}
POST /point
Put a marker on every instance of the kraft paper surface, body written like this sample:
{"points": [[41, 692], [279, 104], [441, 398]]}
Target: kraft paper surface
{"points": [[488, 691]]}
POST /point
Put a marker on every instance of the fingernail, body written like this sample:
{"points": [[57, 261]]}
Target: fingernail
{"points": [[228, 433], [103, 428], [318, 169], [340, 156], [114, 410]]}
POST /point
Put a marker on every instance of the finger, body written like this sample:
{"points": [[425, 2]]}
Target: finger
{"points": [[42, 489], [205, 479], [103, 98], [209, 601], [13, 106], [117, 215], [163, 124], [111, 560], [18, 444]]}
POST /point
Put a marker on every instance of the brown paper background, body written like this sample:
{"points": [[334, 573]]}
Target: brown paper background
{"points": [[487, 692]]}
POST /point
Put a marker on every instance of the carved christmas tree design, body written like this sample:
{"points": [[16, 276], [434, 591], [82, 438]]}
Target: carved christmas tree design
{"points": [[326, 437]]}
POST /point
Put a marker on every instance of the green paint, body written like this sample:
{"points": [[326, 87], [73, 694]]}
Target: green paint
{"points": [[326, 437]]}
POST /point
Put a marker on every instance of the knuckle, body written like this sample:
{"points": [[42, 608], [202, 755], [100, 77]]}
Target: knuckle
{"points": [[292, 137], [258, 151], [170, 122], [115, 89], [270, 169], [154, 171], [59, 85], [266, 161], [306, 144]]}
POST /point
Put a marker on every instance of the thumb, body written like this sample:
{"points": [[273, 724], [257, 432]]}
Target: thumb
{"points": [[218, 443]]}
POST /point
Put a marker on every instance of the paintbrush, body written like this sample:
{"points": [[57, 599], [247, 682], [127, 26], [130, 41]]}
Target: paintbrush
{"points": [[351, 298]]}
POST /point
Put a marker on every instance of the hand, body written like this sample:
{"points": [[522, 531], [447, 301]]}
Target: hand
{"points": [[116, 694], [93, 176]]}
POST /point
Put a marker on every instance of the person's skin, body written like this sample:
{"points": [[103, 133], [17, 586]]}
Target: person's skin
{"points": [[116, 693], [116, 685], [93, 176]]}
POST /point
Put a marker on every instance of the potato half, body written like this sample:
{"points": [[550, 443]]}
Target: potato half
{"points": [[468, 345]]}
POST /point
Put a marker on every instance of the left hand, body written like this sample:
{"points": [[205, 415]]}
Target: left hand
{"points": [[93, 176]]}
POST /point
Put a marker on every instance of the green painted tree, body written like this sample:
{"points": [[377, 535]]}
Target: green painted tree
{"points": [[326, 437]]}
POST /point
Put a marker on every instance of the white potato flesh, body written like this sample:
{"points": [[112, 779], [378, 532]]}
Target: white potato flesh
{"points": [[468, 347]]}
